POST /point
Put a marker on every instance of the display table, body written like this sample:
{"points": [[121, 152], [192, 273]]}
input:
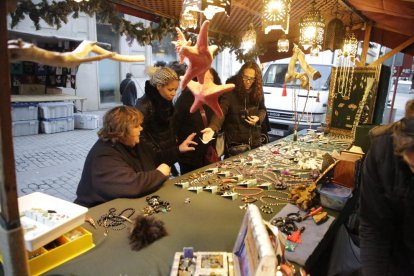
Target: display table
{"points": [[208, 222], [46, 98]]}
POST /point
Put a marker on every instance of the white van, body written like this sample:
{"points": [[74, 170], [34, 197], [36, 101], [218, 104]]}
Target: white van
{"points": [[281, 109]]}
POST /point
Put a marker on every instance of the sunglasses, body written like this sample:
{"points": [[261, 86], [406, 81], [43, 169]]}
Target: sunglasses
{"points": [[246, 78]]}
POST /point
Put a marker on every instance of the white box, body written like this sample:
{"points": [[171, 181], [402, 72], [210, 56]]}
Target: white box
{"points": [[55, 110], [86, 121], [37, 232], [20, 128], [57, 125], [24, 111]]}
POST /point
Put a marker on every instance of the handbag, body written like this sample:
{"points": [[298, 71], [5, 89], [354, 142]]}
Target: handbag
{"points": [[235, 149], [211, 155]]}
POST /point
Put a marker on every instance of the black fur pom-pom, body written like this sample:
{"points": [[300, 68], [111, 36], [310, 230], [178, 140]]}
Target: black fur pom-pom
{"points": [[147, 229]]}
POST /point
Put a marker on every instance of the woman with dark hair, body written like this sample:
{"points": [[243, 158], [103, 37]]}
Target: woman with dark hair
{"points": [[158, 110], [186, 123], [118, 165], [244, 111], [387, 199]]}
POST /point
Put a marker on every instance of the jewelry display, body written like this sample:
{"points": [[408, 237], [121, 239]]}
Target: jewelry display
{"points": [[249, 199], [155, 205]]}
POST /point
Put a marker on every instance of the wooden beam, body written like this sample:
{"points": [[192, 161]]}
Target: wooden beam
{"points": [[12, 239], [367, 36], [397, 49]]}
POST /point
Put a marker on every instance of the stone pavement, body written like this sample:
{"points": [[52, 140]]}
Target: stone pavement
{"points": [[52, 163]]}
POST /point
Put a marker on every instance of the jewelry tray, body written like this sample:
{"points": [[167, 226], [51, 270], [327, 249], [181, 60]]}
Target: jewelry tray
{"points": [[43, 233]]}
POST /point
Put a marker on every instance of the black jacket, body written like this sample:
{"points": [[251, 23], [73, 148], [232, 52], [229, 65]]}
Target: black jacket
{"points": [[115, 170], [236, 105], [128, 92], [157, 124], [387, 210], [186, 123]]}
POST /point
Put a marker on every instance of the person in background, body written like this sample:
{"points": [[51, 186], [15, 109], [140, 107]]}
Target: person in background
{"points": [[186, 123], [128, 91], [118, 165], [158, 110], [244, 111], [387, 199]]}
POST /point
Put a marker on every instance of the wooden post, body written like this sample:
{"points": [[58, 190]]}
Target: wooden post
{"points": [[11, 233], [367, 36]]}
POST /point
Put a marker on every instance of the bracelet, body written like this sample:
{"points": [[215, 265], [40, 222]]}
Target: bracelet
{"points": [[266, 209], [258, 191]]}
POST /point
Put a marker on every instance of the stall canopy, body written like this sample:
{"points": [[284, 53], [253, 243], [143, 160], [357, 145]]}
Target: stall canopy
{"points": [[390, 21]]}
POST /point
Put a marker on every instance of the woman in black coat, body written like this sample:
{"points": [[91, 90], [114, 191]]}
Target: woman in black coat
{"points": [[187, 123], [119, 166], [157, 107]]}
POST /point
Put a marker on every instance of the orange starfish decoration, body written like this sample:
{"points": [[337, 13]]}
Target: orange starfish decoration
{"points": [[199, 56], [208, 93]]}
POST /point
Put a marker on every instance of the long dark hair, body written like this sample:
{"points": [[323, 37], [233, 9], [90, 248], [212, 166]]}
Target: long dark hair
{"points": [[257, 86]]}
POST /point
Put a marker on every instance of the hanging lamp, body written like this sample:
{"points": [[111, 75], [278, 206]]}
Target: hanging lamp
{"points": [[311, 28], [283, 44], [249, 39], [276, 15]]}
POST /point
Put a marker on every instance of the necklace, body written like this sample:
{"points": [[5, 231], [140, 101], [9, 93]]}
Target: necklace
{"points": [[115, 221], [258, 191], [263, 197]]}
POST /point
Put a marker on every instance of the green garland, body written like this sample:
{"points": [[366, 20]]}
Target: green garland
{"points": [[57, 12]]}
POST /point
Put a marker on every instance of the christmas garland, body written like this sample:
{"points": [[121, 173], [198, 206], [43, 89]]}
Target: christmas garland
{"points": [[55, 13]]}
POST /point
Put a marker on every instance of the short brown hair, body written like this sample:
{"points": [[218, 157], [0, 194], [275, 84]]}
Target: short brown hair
{"points": [[116, 123]]}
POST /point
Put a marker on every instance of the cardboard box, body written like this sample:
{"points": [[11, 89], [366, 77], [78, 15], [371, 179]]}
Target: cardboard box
{"points": [[253, 254], [32, 89], [53, 90]]}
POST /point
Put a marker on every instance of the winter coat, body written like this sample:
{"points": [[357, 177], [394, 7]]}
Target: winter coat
{"points": [[387, 210], [158, 113], [236, 106], [118, 171], [186, 123]]}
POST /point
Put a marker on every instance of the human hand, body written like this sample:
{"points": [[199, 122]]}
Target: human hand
{"points": [[164, 169], [186, 145], [252, 120], [208, 134]]}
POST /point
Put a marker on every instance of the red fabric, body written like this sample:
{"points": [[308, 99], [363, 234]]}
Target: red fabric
{"points": [[284, 92]]}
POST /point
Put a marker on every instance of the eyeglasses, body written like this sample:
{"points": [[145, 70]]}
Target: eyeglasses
{"points": [[246, 78]]}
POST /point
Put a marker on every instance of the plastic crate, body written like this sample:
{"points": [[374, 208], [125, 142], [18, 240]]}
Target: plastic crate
{"points": [[334, 196], [57, 125], [24, 111], [86, 121], [54, 110], [21, 128]]}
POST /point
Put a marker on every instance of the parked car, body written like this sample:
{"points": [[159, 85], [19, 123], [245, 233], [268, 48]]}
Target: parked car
{"points": [[281, 109]]}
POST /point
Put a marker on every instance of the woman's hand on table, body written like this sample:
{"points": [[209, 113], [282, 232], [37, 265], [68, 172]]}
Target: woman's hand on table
{"points": [[164, 169], [187, 144]]}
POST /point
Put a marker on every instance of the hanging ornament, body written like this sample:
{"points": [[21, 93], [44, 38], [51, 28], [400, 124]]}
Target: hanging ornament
{"points": [[283, 44], [276, 15], [311, 28], [208, 7], [334, 35], [188, 20]]}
